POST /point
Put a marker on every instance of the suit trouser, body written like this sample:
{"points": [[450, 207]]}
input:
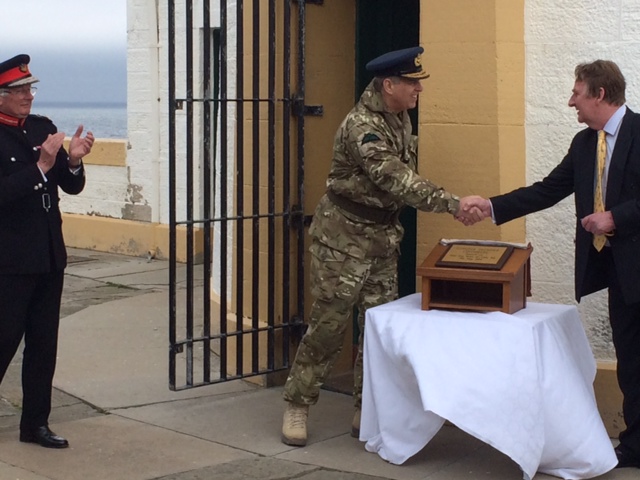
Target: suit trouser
{"points": [[30, 307], [625, 327], [339, 282]]}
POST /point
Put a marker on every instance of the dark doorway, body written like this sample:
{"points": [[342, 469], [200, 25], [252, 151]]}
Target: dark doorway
{"points": [[382, 26]]}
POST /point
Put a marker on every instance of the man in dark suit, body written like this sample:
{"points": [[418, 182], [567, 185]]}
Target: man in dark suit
{"points": [[33, 164], [607, 200]]}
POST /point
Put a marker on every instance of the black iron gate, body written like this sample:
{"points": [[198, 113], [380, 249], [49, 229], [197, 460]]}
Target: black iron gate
{"points": [[236, 111]]}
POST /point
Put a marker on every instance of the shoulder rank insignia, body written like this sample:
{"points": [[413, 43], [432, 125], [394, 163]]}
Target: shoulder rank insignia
{"points": [[369, 137]]}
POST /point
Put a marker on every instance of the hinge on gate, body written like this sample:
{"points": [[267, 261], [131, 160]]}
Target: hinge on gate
{"points": [[297, 328], [299, 108], [298, 219], [179, 348]]}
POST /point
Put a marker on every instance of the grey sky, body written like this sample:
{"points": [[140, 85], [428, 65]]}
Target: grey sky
{"points": [[77, 47]]}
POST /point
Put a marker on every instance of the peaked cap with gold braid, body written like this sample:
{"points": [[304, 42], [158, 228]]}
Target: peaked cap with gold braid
{"points": [[399, 63]]}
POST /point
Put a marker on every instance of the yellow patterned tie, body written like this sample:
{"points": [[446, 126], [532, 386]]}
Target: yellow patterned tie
{"points": [[598, 201]]}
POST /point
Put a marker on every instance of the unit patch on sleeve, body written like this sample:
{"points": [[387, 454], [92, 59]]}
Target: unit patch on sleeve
{"points": [[369, 137]]}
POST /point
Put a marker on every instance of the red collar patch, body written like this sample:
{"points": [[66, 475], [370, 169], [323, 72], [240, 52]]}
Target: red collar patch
{"points": [[11, 121]]}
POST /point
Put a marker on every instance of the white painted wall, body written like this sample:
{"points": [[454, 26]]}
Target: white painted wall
{"points": [[146, 109], [559, 34]]}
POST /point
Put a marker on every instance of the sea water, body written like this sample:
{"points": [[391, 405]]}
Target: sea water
{"points": [[105, 120]]}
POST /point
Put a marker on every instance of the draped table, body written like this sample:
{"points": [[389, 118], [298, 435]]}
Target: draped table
{"points": [[522, 383]]}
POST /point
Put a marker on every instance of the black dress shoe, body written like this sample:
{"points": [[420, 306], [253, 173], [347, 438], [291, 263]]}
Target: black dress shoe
{"points": [[44, 437], [625, 460]]}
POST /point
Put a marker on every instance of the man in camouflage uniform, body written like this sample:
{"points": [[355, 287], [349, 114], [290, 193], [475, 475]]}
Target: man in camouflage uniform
{"points": [[355, 230]]}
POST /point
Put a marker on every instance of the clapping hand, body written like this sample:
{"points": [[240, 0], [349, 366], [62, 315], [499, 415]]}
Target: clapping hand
{"points": [[48, 151], [79, 146]]}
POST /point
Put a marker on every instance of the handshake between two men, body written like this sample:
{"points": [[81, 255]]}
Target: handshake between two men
{"points": [[473, 209]]}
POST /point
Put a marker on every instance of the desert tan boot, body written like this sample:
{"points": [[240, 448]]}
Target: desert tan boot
{"points": [[294, 425], [355, 424]]}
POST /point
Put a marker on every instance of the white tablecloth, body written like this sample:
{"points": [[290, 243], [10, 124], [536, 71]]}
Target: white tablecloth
{"points": [[522, 383]]}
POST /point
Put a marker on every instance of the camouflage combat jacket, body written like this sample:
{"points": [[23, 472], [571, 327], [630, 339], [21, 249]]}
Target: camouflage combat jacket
{"points": [[374, 164], [375, 158]]}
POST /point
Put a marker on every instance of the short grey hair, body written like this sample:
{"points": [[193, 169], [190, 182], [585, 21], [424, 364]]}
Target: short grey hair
{"points": [[377, 82]]}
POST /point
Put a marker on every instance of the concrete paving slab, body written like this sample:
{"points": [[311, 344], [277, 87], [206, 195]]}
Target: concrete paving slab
{"points": [[158, 279], [115, 355], [260, 468], [333, 475], [451, 455], [484, 462], [9, 472], [132, 271], [64, 407], [98, 265], [618, 474], [12, 389], [80, 293], [58, 415], [6, 408], [113, 448], [347, 453], [250, 421]]}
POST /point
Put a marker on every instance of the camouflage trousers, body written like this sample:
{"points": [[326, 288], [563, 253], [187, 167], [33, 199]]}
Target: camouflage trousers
{"points": [[339, 283]]}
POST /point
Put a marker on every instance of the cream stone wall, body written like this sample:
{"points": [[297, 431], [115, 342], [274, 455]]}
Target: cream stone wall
{"points": [[471, 124]]}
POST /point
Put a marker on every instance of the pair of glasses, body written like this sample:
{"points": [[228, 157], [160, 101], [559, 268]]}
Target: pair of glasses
{"points": [[21, 91]]}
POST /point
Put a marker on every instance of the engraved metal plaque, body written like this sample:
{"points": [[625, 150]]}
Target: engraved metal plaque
{"points": [[485, 257]]}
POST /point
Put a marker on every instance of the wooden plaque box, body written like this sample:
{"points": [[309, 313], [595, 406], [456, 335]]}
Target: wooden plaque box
{"points": [[477, 289]]}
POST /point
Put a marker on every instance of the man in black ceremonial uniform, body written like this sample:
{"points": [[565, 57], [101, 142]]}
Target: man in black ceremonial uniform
{"points": [[33, 164]]}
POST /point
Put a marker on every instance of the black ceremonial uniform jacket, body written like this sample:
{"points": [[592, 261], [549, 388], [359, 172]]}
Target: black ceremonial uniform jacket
{"points": [[30, 222]]}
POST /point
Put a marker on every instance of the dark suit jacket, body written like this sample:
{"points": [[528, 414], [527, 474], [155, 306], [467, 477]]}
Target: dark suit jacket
{"points": [[30, 236], [576, 174]]}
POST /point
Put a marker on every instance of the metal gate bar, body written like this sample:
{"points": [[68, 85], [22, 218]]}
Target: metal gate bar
{"points": [[286, 181], [171, 70], [300, 112], [208, 152], [271, 309], [224, 153], [189, 185], [255, 251], [240, 193]]}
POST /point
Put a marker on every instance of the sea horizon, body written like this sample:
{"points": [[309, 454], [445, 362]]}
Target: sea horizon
{"points": [[80, 104], [104, 119]]}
